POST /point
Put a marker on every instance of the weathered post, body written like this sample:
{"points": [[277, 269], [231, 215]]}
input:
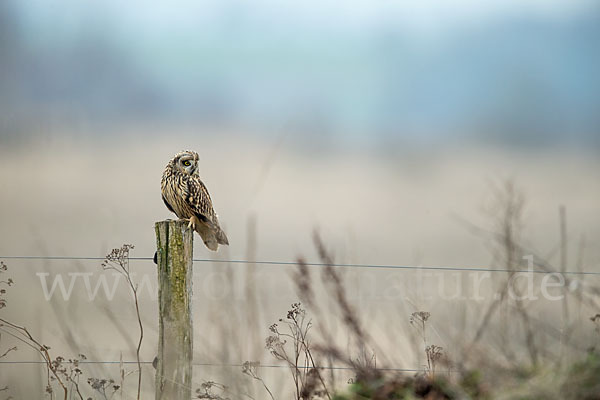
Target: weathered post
{"points": [[175, 348]]}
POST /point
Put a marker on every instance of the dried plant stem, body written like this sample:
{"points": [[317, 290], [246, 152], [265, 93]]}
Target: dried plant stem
{"points": [[137, 351], [316, 369], [251, 369], [29, 340], [304, 369], [118, 260], [76, 384], [266, 388]]}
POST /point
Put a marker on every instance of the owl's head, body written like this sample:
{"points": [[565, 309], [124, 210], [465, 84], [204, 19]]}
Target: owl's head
{"points": [[186, 162]]}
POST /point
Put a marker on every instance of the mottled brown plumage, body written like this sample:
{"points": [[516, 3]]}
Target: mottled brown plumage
{"points": [[184, 194]]}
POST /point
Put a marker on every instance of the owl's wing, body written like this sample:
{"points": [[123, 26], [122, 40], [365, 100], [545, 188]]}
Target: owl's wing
{"points": [[167, 204], [199, 200]]}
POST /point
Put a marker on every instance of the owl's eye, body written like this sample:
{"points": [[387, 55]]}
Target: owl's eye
{"points": [[187, 163]]}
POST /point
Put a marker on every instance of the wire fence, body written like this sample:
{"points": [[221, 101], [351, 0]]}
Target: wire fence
{"points": [[287, 264], [314, 264], [221, 365]]}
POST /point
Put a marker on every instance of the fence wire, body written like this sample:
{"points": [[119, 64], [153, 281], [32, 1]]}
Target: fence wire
{"points": [[314, 264]]}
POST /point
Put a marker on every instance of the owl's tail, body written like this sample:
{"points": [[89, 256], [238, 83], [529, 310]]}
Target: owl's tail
{"points": [[221, 237], [208, 236], [212, 235]]}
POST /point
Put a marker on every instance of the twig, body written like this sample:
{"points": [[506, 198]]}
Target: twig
{"points": [[118, 260]]}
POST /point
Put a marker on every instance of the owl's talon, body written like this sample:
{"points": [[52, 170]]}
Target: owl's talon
{"points": [[191, 224]]}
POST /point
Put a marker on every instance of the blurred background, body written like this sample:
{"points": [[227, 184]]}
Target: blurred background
{"points": [[386, 75], [384, 125]]}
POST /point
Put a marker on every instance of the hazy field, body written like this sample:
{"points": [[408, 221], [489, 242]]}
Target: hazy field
{"points": [[67, 196]]}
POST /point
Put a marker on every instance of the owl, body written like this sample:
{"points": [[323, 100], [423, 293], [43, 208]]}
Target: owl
{"points": [[184, 194]]}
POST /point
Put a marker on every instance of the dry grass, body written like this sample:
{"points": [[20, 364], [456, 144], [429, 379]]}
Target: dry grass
{"points": [[508, 352]]}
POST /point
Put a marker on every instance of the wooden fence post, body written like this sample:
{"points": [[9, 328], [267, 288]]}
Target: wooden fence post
{"points": [[175, 340]]}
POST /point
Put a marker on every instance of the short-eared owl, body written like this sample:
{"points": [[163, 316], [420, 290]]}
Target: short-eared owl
{"points": [[184, 194]]}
